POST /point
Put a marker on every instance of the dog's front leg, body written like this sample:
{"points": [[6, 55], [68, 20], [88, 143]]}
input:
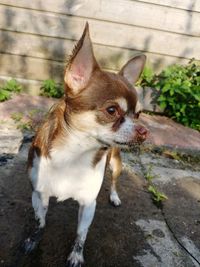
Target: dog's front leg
{"points": [[40, 203], [116, 168], [85, 217]]}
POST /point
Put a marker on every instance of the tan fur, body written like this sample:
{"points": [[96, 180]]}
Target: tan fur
{"points": [[115, 156], [49, 133]]}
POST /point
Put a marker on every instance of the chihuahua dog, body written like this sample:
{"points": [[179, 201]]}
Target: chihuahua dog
{"points": [[81, 135]]}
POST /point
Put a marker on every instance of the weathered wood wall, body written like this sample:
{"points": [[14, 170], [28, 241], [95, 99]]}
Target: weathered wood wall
{"points": [[36, 36]]}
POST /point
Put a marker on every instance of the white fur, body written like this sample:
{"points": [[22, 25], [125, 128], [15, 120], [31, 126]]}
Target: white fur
{"points": [[40, 205], [85, 217], [122, 103], [138, 107], [68, 172], [114, 198], [125, 132], [76, 258]]}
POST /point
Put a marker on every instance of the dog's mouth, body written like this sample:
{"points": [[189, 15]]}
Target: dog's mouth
{"points": [[104, 143], [120, 144], [124, 144], [129, 144]]}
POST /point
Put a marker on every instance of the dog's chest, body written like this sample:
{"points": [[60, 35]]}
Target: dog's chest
{"points": [[68, 175]]}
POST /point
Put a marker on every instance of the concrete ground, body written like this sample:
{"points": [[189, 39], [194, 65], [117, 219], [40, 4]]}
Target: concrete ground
{"points": [[139, 233]]}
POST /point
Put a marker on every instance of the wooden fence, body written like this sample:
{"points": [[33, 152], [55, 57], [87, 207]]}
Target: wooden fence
{"points": [[36, 36]]}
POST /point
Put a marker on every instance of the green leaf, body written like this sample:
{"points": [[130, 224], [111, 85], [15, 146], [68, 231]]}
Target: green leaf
{"points": [[171, 92], [163, 105], [12, 86], [4, 95], [50, 88], [166, 88], [157, 196], [161, 98]]}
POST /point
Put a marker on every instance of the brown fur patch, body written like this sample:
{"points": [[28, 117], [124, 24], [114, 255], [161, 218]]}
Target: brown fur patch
{"points": [[52, 127], [98, 156]]}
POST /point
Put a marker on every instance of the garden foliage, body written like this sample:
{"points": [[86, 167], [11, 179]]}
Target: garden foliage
{"points": [[178, 88], [11, 86], [50, 88]]}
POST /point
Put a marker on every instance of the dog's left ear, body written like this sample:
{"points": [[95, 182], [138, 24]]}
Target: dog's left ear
{"points": [[133, 68], [81, 64]]}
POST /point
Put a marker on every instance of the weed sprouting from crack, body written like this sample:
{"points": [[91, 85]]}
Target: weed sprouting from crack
{"points": [[157, 196]]}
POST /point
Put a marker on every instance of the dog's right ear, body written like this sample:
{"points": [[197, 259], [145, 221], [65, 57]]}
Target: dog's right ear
{"points": [[81, 64]]}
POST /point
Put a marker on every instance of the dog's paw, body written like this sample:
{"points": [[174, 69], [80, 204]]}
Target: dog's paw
{"points": [[29, 245], [32, 242], [114, 199], [75, 259]]}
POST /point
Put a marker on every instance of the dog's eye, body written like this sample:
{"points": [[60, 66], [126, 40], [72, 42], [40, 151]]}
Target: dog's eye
{"points": [[136, 115], [112, 110]]}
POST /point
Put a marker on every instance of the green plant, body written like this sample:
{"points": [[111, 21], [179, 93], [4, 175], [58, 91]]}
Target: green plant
{"points": [[20, 122], [11, 86], [147, 77], [157, 196], [17, 116], [172, 154], [149, 175], [50, 88], [179, 92]]}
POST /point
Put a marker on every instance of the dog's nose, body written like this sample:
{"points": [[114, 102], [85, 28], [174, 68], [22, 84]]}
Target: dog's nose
{"points": [[141, 132]]}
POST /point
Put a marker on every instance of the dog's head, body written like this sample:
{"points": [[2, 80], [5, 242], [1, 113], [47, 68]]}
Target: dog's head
{"points": [[101, 104]]}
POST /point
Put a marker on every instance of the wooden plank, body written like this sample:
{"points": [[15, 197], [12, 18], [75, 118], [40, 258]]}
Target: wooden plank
{"points": [[105, 33], [58, 49], [122, 11], [30, 68], [35, 46], [191, 5]]}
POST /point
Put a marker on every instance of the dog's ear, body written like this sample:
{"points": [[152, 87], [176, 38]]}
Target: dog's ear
{"points": [[81, 64], [133, 68]]}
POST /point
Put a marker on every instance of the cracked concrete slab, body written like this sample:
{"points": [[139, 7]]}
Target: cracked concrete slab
{"points": [[164, 250], [10, 137]]}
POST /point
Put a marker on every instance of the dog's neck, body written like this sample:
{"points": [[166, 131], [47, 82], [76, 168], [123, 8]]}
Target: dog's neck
{"points": [[73, 145]]}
